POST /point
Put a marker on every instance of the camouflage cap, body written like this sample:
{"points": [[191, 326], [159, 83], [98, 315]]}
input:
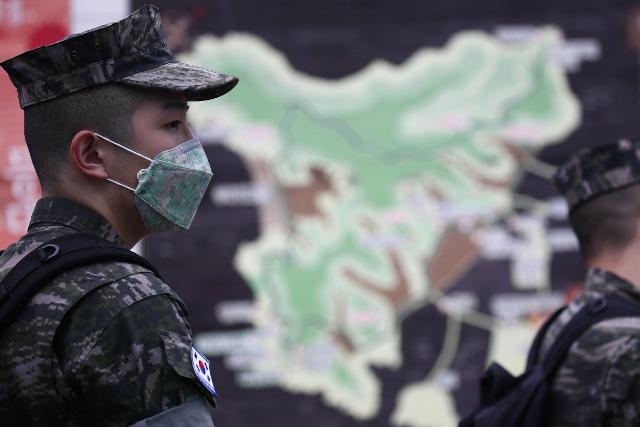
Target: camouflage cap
{"points": [[599, 170], [131, 51]]}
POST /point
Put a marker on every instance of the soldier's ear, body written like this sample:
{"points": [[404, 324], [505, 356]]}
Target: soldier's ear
{"points": [[87, 152]]}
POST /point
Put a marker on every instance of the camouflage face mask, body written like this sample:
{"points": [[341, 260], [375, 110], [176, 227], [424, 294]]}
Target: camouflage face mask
{"points": [[170, 190]]}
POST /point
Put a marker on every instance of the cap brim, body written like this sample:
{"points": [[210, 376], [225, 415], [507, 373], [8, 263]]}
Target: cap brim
{"points": [[197, 83]]}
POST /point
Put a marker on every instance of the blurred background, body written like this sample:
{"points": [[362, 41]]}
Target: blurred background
{"points": [[381, 222]]}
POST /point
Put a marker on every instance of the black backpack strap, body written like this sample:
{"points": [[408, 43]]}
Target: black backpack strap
{"points": [[595, 311], [534, 350], [53, 258]]}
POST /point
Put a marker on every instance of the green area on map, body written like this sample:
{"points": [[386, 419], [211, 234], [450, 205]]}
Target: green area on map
{"points": [[358, 172]]}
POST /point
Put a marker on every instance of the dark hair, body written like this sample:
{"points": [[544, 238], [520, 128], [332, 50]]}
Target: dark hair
{"points": [[49, 126], [608, 222]]}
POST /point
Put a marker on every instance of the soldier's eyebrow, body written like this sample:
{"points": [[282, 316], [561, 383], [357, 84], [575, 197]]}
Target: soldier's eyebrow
{"points": [[176, 105]]}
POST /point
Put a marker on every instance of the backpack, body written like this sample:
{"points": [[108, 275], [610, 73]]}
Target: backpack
{"points": [[53, 258], [522, 401]]}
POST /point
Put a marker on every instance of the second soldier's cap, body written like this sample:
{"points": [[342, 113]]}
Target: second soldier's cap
{"points": [[598, 171], [132, 51]]}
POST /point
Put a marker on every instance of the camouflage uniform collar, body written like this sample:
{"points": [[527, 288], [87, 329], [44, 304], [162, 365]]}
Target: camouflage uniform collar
{"points": [[64, 212], [601, 280]]}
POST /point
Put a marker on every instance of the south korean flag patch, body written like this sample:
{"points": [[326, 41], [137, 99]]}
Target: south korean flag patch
{"points": [[202, 369]]}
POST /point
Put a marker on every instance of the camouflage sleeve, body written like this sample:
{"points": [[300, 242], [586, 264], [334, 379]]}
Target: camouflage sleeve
{"points": [[138, 367], [620, 396]]}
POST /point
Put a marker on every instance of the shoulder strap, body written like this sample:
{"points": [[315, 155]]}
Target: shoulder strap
{"points": [[595, 311], [53, 258], [534, 350]]}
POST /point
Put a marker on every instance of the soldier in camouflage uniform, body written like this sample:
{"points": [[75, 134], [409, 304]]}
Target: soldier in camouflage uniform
{"points": [[108, 344], [598, 383]]}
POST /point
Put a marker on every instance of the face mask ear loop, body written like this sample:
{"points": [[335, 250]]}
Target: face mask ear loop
{"points": [[120, 184], [124, 148]]}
